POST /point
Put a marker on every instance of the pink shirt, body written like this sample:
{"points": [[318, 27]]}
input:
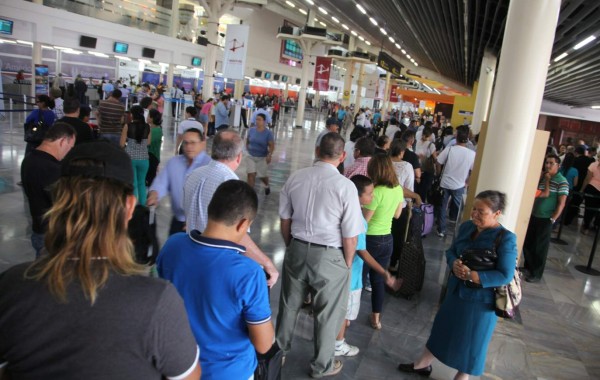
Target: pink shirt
{"points": [[359, 167], [206, 108]]}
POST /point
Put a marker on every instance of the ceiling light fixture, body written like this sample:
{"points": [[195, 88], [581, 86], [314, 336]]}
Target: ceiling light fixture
{"points": [[560, 57], [181, 67], [290, 4], [322, 23], [25, 42], [373, 21], [368, 43], [416, 64], [335, 19], [146, 61], [47, 47], [345, 26], [584, 42], [354, 33], [398, 46], [310, 2], [360, 8], [596, 107], [408, 56], [316, 20], [392, 39], [124, 58], [302, 11], [8, 42], [98, 54], [403, 51], [383, 31], [71, 51], [322, 11], [361, 38]]}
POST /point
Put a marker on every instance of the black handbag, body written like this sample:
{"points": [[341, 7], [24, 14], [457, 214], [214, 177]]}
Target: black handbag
{"points": [[481, 259], [269, 364], [435, 195], [35, 130]]}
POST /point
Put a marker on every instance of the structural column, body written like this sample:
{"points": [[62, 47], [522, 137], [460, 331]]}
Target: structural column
{"points": [[238, 89], [174, 27], [211, 58], [526, 50], [306, 48], [484, 90], [386, 96], [359, 83], [347, 94], [36, 59]]}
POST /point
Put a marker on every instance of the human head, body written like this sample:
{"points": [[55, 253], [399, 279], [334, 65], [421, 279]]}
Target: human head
{"points": [[146, 102], [365, 188], [87, 225], [487, 207], [580, 150], [62, 136], [260, 120], [233, 204], [331, 147], [381, 171], [462, 135], [332, 125], [71, 107], [562, 149], [364, 147], [155, 117], [552, 164], [224, 98], [227, 146], [44, 101], [84, 113], [192, 143], [191, 111], [55, 93], [357, 133], [397, 148], [137, 113], [408, 136], [116, 93], [383, 142], [427, 131]]}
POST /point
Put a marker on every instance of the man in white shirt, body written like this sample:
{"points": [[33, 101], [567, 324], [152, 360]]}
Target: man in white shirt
{"points": [[458, 161], [392, 128], [189, 122]]}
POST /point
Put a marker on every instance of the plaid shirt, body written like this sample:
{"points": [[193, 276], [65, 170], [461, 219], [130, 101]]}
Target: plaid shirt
{"points": [[359, 167]]}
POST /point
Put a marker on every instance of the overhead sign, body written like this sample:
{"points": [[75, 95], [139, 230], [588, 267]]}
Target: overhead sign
{"points": [[322, 70], [386, 62], [236, 47]]}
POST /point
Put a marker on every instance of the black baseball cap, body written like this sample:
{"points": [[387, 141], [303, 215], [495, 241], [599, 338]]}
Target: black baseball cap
{"points": [[110, 162], [331, 121]]}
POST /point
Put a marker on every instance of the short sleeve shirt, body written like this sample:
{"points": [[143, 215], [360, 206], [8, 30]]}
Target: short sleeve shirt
{"points": [[358, 263], [224, 291], [544, 207], [258, 142], [385, 202]]}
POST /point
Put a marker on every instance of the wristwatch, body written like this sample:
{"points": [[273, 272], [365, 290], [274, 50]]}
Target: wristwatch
{"points": [[552, 220]]}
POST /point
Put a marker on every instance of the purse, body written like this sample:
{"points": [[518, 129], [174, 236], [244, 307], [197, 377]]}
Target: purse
{"points": [[435, 195], [269, 364], [508, 297], [35, 130], [481, 259]]}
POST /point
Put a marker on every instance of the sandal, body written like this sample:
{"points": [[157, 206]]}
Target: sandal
{"points": [[374, 324]]}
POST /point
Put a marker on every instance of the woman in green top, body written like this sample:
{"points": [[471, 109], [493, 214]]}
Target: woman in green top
{"points": [[386, 204], [155, 121]]}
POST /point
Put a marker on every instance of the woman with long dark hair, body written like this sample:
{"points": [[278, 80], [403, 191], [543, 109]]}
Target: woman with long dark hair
{"points": [[135, 138]]}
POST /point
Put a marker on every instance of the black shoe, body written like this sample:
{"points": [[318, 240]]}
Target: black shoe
{"points": [[267, 191], [410, 368], [532, 279]]}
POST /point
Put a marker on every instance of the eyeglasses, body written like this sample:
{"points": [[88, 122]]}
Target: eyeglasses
{"points": [[191, 142], [550, 163]]}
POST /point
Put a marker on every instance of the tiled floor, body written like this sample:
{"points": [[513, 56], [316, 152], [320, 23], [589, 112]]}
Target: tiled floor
{"points": [[556, 337]]}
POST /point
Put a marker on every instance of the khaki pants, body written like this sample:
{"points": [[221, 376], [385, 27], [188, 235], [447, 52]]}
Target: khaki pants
{"points": [[324, 273]]}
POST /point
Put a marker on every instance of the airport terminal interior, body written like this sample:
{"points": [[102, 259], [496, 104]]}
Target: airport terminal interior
{"points": [[556, 333]]}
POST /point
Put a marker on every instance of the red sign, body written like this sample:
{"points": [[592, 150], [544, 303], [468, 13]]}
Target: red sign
{"points": [[395, 95], [322, 70]]}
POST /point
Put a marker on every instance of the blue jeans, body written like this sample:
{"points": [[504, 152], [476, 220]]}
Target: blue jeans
{"points": [[37, 242], [454, 207], [380, 247], [114, 138]]}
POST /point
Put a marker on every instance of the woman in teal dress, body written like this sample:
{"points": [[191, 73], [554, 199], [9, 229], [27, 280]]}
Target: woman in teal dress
{"points": [[464, 325]]}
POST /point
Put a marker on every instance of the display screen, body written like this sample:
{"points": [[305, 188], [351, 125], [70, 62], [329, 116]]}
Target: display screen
{"points": [[121, 47], [148, 53], [292, 50], [88, 42], [6, 26], [196, 61], [284, 78], [267, 75]]}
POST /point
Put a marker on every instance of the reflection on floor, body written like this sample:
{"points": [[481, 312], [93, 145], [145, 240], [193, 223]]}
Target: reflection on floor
{"points": [[557, 336]]}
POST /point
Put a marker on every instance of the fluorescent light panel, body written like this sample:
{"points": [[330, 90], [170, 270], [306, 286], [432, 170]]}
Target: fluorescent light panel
{"points": [[290, 4], [392, 40], [596, 107], [373, 21], [310, 2], [360, 8], [345, 26], [302, 11], [25, 42], [335, 19], [322, 11], [354, 33], [368, 43], [322, 23], [382, 30], [7, 42], [560, 57], [124, 58], [584, 42]]}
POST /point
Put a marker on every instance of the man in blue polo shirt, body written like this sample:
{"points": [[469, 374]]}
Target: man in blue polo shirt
{"points": [[225, 292]]}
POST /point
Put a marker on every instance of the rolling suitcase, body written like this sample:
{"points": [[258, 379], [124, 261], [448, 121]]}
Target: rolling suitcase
{"points": [[428, 218], [412, 260], [142, 232]]}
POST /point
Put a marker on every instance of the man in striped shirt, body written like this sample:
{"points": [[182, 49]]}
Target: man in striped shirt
{"points": [[110, 117]]}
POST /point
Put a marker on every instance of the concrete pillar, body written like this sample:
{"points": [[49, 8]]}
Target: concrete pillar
{"points": [[352, 43], [317, 103], [526, 50], [306, 48], [239, 89], [359, 83], [386, 97], [347, 94], [174, 26], [211, 57], [285, 91], [310, 19], [36, 59], [170, 74], [484, 90]]}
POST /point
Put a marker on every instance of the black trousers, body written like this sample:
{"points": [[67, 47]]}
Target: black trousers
{"points": [[176, 226], [154, 161], [590, 202], [537, 243]]}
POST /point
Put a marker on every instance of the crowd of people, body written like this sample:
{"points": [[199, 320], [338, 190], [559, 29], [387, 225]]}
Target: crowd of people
{"points": [[212, 316]]}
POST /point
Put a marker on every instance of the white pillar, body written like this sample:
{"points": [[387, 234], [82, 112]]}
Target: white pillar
{"points": [[359, 83], [306, 48], [170, 74], [238, 89], [310, 19], [36, 59], [386, 97], [174, 26], [347, 94], [484, 91], [212, 30], [526, 50]]}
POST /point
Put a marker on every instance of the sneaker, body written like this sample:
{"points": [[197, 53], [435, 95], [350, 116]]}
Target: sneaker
{"points": [[368, 288], [336, 368], [267, 191], [441, 234], [346, 350]]}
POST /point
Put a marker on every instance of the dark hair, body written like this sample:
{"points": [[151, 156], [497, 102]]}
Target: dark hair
{"points": [[361, 182], [233, 201], [84, 111], [116, 93], [357, 133], [195, 130], [366, 146], [137, 129], [58, 130], [447, 131], [382, 140], [408, 134], [156, 117], [71, 105], [427, 131], [261, 115], [227, 144], [495, 199], [462, 135], [191, 110], [580, 149], [331, 146], [46, 100], [225, 97], [554, 156], [398, 146], [145, 102], [381, 170]]}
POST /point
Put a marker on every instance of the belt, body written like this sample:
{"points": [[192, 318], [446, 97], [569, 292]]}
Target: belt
{"points": [[315, 244]]}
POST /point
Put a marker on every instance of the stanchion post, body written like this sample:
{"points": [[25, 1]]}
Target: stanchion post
{"points": [[557, 239], [10, 106], [24, 108], [588, 269]]}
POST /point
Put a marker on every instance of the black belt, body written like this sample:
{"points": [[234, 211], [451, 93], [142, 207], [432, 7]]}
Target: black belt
{"points": [[315, 244]]}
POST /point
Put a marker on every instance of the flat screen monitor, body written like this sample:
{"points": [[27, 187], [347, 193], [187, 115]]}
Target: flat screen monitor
{"points": [[148, 53], [276, 77], [121, 47], [88, 42], [268, 75], [196, 61], [6, 26], [284, 78], [258, 73]]}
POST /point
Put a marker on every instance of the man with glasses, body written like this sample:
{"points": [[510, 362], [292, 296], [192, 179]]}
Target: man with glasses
{"points": [[171, 179], [547, 208]]}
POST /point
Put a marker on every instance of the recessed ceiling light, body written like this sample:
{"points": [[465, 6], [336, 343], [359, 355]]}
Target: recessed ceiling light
{"points": [[403, 51], [382, 30], [322, 23], [560, 57], [71, 51], [361, 38], [412, 60], [25, 42], [47, 47], [7, 42], [584, 42], [145, 61], [302, 11], [335, 19], [398, 46], [354, 33], [345, 26], [126, 58], [316, 20], [596, 107], [181, 67], [373, 21], [391, 39], [310, 2], [368, 43], [416, 64], [360, 8], [322, 11], [290, 4], [408, 56]]}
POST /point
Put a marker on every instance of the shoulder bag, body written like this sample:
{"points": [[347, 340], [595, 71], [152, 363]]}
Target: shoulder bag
{"points": [[35, 130], [508, 297], [481, 259], [435, 195]]}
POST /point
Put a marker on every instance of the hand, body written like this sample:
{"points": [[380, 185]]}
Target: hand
{"points": [[152, 199], [418, 201], [393, 282], [268, 159], [273, 273], [461, 271], [547, 176]]}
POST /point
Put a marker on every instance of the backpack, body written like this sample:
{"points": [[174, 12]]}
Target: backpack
{"points": [[35, 130]]}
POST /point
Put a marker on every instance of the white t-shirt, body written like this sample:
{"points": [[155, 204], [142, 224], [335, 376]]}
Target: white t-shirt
{"points": [[349, 149], [425, 148], [459, 162], [406, 176], [391, 131]]}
